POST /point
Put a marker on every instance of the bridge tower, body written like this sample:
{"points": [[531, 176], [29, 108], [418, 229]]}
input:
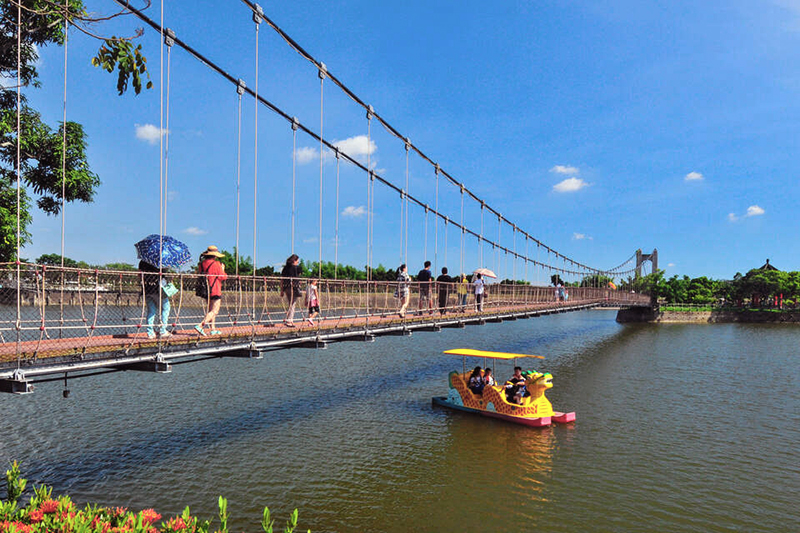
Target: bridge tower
{"points": [[641, 258]]}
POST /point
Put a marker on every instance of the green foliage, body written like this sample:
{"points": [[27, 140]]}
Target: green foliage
{"points": [[41, 147], [229, 260], [555, 280], [45, 513], [127, 59], [15, 485], [223, 514], [595, 280]]}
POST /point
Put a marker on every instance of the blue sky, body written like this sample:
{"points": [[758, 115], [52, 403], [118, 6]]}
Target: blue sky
{"points": [[599, 127]]}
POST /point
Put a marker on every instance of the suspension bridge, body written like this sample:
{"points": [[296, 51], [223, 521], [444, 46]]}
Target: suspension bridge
{"points": [[58, 322]]}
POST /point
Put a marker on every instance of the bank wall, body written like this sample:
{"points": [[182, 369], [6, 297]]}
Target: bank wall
{"points": [[722, 316]]}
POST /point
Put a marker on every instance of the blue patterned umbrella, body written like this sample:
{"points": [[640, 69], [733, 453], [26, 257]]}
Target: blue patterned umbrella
{"points": [[174, 253]]}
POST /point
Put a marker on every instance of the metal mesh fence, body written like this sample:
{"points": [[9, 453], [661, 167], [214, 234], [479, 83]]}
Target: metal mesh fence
{"points": [[49, 311]]}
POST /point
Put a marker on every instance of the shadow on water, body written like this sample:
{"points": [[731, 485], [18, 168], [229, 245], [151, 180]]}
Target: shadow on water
{"points": [[164, 446], [154, 448]]}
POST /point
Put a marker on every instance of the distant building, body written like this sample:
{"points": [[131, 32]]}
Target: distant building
{"points": [[767, 266]]}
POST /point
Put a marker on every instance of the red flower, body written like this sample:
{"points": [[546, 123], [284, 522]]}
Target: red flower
{"points": [[49, 506], [149, 516], [21, 528], [36, 516], [176, 524]]}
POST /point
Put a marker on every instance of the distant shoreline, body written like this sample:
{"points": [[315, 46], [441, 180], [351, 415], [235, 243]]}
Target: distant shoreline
{"points": [[633, 315]]}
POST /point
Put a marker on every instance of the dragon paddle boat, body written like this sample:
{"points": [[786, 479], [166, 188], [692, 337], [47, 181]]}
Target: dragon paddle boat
{"points": [[535, 409]]}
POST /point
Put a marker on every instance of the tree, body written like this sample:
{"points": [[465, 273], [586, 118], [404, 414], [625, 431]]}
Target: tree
{"points": [[42, 148], [596, 280], [555, 279]]}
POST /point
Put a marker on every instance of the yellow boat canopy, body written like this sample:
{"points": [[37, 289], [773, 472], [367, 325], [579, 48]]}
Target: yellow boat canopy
{"points": [[467, 352]]}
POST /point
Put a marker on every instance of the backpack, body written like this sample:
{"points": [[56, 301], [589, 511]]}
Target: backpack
{"points": [[201, 286]]}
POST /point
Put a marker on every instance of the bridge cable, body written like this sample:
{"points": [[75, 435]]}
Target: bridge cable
{"points": [[63, 172], [257, 21], [288, 118], [294, 178], [306, 55], [336, 238], [461, 262], [408, 190], [19, 173], [369, 195], [436, 226], [322, 71], [239, 91]]}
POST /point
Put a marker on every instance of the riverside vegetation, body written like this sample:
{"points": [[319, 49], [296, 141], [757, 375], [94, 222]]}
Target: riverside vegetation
{"points": [[45, 513]]}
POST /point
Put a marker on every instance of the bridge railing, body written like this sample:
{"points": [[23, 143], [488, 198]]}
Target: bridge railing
{"points": [[69, 310]]}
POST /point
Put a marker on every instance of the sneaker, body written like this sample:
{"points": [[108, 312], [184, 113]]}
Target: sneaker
{"points": [[216, 332], [310, 321], [200, 330], [165, 334], [151, 335]]}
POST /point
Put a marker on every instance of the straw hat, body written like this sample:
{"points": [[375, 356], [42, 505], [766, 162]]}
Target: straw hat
{"points": [[213, 251]]}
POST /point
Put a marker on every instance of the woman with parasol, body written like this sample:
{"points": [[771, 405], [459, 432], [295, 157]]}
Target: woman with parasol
{"points": [[157, 253]]}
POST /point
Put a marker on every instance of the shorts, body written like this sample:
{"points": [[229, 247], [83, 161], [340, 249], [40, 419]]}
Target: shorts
{"points": [[425, 293], [212, 298], [313, 309]]}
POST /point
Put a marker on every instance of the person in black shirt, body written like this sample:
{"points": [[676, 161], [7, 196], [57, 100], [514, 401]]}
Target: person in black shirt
{"points": [[290, 286], [443, 286], [425, 279]]}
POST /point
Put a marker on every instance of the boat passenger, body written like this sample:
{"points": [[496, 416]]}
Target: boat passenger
{"points": [[515, 386], [488, 379], [476, 381]]}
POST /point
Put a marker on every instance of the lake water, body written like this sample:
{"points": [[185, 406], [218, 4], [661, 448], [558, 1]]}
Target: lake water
{"points": [[680, 428]]}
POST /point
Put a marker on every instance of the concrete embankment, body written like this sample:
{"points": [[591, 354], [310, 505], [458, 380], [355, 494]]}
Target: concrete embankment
{"points": [[634, 315]]}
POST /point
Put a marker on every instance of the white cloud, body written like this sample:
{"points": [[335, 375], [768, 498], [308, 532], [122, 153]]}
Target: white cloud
{"points": [[310, 240], [565, 169], [352, 211], [172, 196], [357, 147], [754, 211], [149, 133], [570, 185], [670, 265], [693, 176], [580, 237], [306, 154], [195, 231]]}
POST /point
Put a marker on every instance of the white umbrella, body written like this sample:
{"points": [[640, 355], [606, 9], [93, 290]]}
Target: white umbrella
{"points": [[485, 272]]}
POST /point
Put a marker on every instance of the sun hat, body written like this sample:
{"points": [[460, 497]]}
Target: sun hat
{"points": [[213, 251]]}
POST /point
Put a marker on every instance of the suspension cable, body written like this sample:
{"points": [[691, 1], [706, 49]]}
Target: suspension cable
{"points": [[295, 125], [436, 226], [369, 194], [322, 71], [19, 173], [350, 159], [336, 238], [64, 137], [408, 190], [258, 15], [239, 91]]}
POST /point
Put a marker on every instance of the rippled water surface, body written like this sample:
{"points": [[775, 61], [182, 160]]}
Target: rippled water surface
{"points": [[680, 428]]}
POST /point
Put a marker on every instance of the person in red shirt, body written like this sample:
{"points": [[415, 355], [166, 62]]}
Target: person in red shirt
{"points": [[215, 271]]}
